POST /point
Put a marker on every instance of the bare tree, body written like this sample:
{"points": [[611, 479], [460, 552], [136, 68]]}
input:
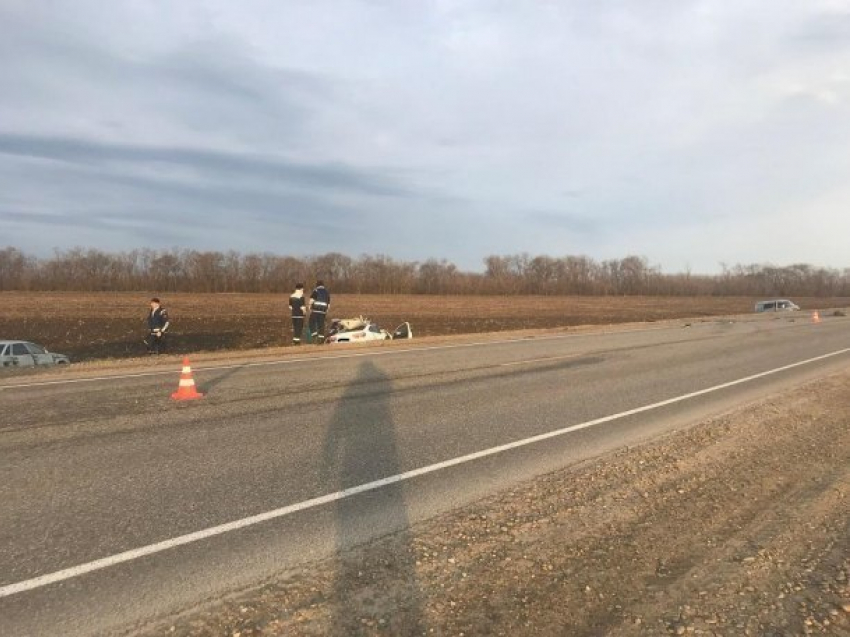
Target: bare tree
{"points": [[197, 271]]}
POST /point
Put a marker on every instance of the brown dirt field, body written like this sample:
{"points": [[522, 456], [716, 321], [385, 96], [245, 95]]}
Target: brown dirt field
{"points": [[90, 326], [737, 526]]}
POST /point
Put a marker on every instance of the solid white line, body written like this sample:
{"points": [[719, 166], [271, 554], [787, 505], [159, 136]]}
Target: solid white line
{"points": [[314, 359], [150, 549]]}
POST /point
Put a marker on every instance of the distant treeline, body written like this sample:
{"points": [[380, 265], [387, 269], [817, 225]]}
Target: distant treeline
{"points": [[88, 270]]}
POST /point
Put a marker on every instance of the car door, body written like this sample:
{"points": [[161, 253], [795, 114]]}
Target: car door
{"points": [[21, 356], [39, 354], [403, 331]]}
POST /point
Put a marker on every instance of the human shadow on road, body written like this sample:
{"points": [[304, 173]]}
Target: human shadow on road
{"points": [[374, 588], [208, 385]]}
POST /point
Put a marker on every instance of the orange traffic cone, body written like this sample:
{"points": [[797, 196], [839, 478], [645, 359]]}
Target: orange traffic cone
{"points": [[815, 317], [186, 390]]}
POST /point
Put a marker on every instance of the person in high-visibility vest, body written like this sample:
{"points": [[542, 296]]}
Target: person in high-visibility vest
{"points": [[158, 323], [297, 309], [320, 302]]}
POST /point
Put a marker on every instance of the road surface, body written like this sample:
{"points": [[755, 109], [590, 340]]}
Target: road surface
{"points": [[119, 507]]}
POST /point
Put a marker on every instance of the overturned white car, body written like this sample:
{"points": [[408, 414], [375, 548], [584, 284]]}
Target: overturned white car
{"points": [[362, 330]]}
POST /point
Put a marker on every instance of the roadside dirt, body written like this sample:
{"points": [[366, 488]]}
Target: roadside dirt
{"points": [[737, 526], [100, 325]]}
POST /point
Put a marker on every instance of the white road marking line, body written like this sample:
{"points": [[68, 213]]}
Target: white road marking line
{"points": [[314, 359], [150, 549]]}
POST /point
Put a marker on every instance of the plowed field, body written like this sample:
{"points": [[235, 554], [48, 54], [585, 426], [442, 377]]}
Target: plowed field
{"points": [[90, 326]]}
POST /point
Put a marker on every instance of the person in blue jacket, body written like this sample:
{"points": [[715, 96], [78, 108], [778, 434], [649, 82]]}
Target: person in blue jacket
{"points": [[158, 323], [320, 302]]}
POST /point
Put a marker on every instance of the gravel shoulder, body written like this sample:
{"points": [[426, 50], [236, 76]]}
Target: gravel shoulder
{"points": [[739, 525]]}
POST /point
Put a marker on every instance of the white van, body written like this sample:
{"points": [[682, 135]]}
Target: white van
{"points": [[776, 305]]}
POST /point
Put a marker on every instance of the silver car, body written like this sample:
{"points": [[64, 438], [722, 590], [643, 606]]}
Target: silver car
{"points": [[26, 354], [776, 305]]}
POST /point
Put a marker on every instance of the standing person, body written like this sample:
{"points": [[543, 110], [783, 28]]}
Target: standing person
{"points": [[297, 308], [320, 301], [157, 325]]}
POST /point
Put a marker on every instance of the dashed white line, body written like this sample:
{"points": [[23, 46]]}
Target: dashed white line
{"points": [[150, 549]]}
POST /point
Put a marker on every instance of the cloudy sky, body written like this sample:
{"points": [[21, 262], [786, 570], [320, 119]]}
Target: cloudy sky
{"points": [[694, 132]]}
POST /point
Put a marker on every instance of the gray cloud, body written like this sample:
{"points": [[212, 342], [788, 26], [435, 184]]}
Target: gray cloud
{"points": [[831, 28], [701, 133], [212, 162], [569, 222]]}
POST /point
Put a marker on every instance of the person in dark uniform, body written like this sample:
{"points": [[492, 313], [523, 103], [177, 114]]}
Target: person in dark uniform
{"points": [[157, 325], [320, 301], [297, 308]]}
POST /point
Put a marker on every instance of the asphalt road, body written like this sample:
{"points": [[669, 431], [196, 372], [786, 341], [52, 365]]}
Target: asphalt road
{"points": [[100, 463]]}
